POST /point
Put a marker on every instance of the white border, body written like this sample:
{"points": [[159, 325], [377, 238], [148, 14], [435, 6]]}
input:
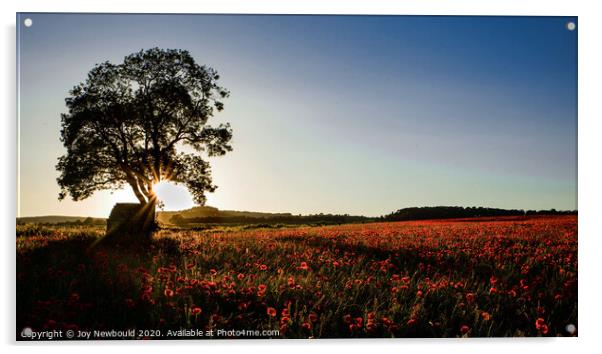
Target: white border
{"points": [[590, 198]]}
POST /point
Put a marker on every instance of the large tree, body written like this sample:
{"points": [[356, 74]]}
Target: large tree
{"points": [[127, 124]]}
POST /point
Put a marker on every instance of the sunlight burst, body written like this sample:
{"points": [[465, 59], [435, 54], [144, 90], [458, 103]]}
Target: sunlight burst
{"points": [[174, 197]]}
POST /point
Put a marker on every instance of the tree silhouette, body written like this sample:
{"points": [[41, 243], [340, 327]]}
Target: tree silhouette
{"points": [[127, 124]]}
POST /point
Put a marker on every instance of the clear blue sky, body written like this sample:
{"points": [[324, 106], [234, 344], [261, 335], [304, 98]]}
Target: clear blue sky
{"points": [[342, 114]]}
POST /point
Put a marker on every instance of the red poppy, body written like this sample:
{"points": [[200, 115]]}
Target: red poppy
{"points": [[168, 292], [370, 326], [196, 310], [464, 329], [271, 312], [544, 329]]}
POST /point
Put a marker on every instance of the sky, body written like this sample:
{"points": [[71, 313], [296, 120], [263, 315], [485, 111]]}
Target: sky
{"points": [[336, 114]]}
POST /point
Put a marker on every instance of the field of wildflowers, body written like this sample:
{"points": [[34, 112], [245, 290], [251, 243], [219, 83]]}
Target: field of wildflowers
{"points": [[444, 278]]}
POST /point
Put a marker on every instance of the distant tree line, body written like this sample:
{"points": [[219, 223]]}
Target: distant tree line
{"points": [[254, 218], [449, 212]]}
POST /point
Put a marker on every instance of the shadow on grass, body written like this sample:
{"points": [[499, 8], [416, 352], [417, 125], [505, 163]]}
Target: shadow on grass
{"points": [[81, 283]]}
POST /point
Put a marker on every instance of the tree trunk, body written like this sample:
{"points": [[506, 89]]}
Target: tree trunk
{"points": [[137, 192]]}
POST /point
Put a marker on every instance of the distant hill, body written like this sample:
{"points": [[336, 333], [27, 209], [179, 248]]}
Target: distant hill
{"points": [[208, 211], [59, 219], [211, 215]]}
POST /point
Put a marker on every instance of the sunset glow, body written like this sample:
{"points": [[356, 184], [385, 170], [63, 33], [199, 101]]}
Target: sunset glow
{"points": [[174, 197]]}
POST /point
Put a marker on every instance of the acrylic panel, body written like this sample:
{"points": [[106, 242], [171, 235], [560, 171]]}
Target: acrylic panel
{"points": [[194, 176]]}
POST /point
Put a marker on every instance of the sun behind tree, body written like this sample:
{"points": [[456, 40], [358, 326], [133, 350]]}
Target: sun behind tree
{"points": [[126, 122]]}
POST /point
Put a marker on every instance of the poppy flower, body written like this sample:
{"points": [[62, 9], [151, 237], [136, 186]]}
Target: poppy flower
{"points": [[196, 310], [271, 312], [540, 322], [544, 329]]}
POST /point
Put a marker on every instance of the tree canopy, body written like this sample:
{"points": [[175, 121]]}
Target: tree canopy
{"points": [[127, 125]]}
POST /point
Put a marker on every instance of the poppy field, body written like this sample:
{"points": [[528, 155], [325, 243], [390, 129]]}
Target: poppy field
{"points": [[496, 277]]}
